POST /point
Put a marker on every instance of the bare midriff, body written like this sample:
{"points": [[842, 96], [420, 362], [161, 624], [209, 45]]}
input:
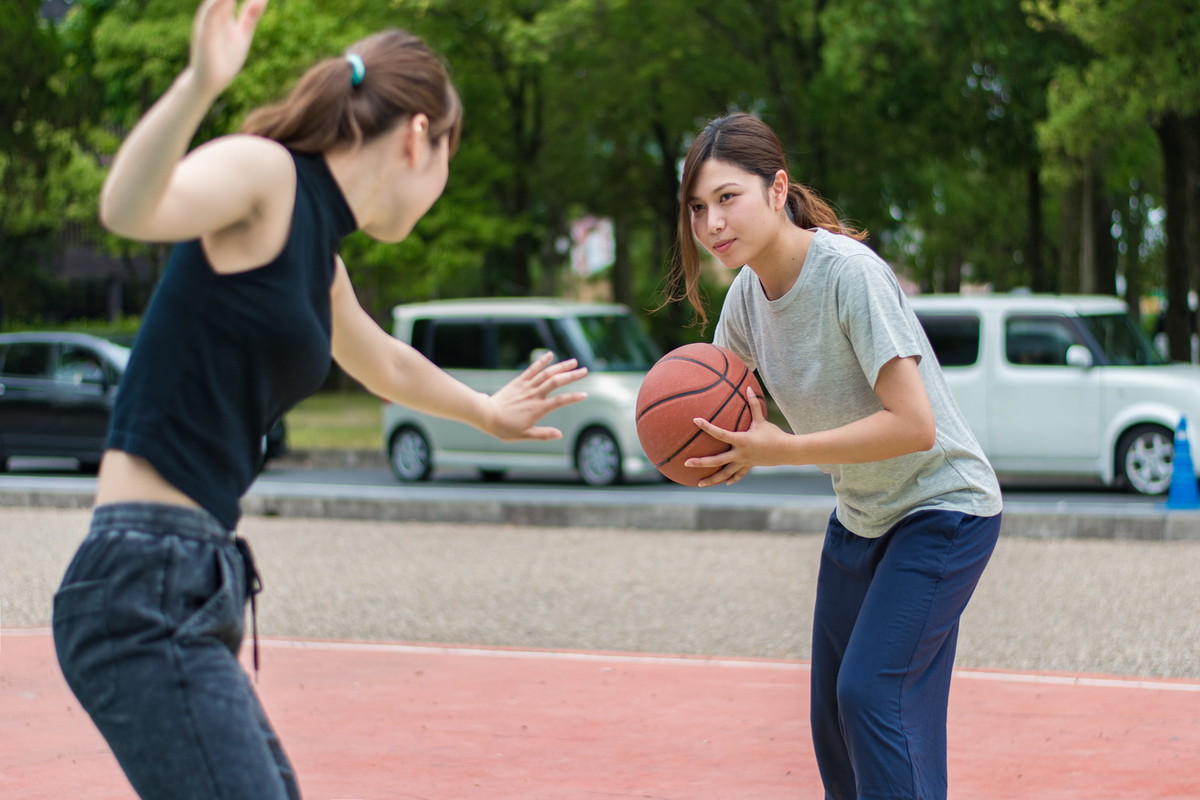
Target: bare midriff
{"points": [[126, 478]]}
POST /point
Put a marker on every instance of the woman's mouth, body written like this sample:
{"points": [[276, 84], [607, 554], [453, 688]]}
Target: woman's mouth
{"points": [[721, 247]]}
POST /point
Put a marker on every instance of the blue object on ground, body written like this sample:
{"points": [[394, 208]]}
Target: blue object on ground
{"points": [[1183, 493]]}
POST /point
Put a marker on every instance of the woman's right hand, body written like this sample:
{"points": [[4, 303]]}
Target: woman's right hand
{"points": [[221, 40], [519, 404]]}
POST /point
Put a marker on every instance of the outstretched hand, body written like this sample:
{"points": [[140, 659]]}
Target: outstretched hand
{"points": [[749, 448], [524, 400], [221, 40]]}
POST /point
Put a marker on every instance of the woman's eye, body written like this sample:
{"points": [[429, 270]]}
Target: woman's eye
{"points": [[727, 196], [697, 208]]}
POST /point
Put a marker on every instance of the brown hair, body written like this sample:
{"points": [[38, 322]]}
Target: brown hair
{"points": [[324, 110], [749, 144]]}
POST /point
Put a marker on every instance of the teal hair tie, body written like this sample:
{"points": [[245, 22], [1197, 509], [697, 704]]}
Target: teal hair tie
{"points": [[358, 70]]}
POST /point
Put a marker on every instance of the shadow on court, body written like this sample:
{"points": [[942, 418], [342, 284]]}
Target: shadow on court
{"points": [[369, 721]]}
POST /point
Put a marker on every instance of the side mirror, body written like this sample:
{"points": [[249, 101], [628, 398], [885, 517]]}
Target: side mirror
{"points": [[1079, 356]]}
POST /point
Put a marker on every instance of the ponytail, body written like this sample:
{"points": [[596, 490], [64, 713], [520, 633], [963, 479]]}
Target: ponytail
{"points": [[345, 101], [807, 209]]}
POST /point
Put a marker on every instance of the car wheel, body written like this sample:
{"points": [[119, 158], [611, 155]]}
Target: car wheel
{"points": [[598, 458], [1145, 459], [409, 455]]}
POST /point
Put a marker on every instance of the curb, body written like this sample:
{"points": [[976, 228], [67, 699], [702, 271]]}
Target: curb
{"points": [[1138, 523], [333, 459]]}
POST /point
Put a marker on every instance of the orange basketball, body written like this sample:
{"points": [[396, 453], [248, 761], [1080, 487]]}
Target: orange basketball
{"points": [[696, 380]]}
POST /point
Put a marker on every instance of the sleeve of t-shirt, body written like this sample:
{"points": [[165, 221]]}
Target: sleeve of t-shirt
{"points": [[730, 332], [872, 313]]}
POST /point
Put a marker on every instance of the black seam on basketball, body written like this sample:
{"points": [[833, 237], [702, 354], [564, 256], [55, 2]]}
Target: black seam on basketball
{"points": [[692, 438], [721, 375], [662, 400], [721, 378]]}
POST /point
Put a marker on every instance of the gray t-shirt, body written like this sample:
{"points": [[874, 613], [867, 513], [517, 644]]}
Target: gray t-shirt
{"points": [[818, 350]]}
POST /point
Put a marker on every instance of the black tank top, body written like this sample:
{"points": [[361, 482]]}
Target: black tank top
{"points": [[220, 358]]}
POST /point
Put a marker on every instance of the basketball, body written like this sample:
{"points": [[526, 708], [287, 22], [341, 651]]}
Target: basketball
{"points": [[696, 380]]}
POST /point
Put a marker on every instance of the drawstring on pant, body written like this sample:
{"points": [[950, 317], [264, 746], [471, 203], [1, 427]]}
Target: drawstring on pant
{"points": [[253, 587]]}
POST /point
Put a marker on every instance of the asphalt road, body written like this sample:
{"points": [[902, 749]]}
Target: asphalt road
{"points": [[1111, 607], [368, 471]]}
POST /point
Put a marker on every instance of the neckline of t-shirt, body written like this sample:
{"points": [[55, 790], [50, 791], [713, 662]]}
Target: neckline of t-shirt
{"points": [[783, 301]]}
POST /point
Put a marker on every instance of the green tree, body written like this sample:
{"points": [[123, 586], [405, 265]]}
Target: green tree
{"points": [[1143, 70], [43, 172], [939, 101]]}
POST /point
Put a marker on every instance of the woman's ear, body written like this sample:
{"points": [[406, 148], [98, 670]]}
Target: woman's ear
{"points": [[779, 190], [416, 138]]}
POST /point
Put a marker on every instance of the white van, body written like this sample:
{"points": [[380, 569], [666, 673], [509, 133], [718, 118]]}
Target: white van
{"points": [[484, 344], [1063, 385]]}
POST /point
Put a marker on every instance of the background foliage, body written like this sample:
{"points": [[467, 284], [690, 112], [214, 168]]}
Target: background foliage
{"points": [[1048, 144]]}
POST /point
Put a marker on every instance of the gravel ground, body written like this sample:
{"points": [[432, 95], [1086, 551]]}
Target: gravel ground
{"points": [[1115, 607]]}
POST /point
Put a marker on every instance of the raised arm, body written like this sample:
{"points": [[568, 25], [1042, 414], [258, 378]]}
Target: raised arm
{"points": [[143, 197], [395, 371]]}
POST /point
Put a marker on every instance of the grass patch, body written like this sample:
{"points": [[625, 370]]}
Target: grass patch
{"points": [[336, 421]]}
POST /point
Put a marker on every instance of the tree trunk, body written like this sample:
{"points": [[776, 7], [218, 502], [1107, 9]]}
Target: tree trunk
{"points": [[1033, 241], [1133, 227], [1190, 129], [1105, 246], [1170, 137], [952, 280], [1087, 231], [1072, 224], [622, 269]]}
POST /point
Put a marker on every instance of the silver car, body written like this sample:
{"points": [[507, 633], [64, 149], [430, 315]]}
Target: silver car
{"points": [[1063, 385], [484, 344]]}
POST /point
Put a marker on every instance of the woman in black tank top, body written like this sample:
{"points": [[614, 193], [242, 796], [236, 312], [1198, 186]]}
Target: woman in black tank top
{"points": [[252, 308]]}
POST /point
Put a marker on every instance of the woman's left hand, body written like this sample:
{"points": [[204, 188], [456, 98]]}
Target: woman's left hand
{"points": [[519, 404], [221, 37], [750, 448]]}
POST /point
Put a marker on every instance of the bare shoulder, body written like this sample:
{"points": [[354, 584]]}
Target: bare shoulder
{"points": [[252, 182], [253, 157]]}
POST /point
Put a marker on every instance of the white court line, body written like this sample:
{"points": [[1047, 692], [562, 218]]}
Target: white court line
{"points": [[544, 655], [1164, 685], [702, 661]]}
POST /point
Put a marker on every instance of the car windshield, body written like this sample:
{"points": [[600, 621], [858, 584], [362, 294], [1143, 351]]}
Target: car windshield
{"points": [[1123, 343], [617, 343], [117, 353]]}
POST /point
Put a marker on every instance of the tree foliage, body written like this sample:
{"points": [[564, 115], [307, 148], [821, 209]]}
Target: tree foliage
{"points": [[979, 140]]}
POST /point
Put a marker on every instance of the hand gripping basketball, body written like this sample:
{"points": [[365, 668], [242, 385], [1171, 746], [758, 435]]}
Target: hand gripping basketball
{"points": [[694, 381]]}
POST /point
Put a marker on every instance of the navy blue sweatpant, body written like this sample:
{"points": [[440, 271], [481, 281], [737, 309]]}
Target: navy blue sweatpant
{"points": [[885, 629]]}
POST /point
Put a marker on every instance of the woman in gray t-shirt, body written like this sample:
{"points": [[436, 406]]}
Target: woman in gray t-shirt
{"points": [[823, 320]]}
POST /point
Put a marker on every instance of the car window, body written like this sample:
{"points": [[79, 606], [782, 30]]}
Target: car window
{"points": [[560, 342], [954, 338], [27, 359], [617, 343], [515, 341], [422, 329], [77, 364], [458, 344], [1038, 341], [1120, 339]]}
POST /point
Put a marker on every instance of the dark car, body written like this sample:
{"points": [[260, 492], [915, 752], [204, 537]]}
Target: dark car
{"points": [[56, 394], [56, 397]]}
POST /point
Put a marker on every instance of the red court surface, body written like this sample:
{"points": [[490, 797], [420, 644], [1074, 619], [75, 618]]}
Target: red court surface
{"points": [[372, 721]]}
